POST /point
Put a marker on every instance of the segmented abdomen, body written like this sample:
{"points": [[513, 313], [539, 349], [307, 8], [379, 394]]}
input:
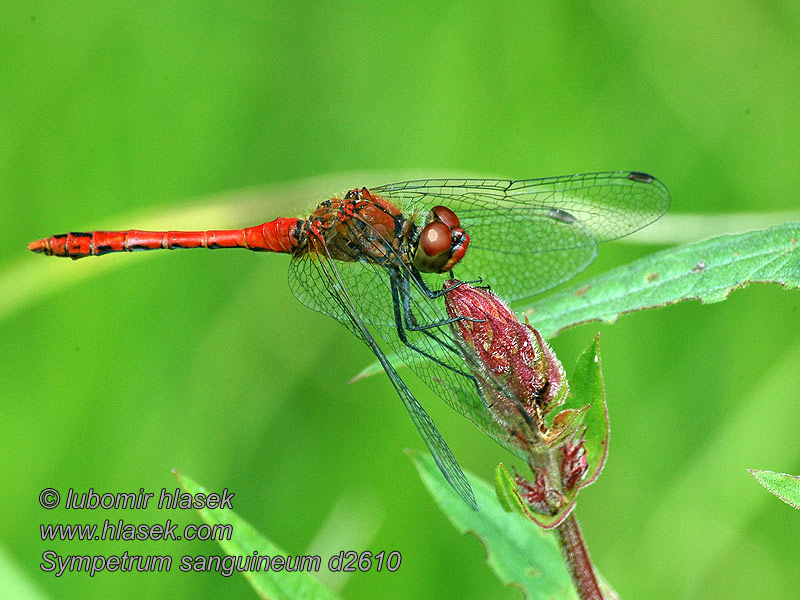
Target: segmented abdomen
{"points": [[280, 235]]}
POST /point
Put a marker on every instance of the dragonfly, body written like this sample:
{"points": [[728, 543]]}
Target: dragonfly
{"points": [[375, 260]]}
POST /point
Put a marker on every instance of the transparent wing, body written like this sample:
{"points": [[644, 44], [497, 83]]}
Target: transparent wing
{"points": [[329, 287], [315, 289], [527, 236]]}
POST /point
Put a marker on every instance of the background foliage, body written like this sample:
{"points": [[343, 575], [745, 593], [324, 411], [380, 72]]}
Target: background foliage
{"points": [[113, 375]]}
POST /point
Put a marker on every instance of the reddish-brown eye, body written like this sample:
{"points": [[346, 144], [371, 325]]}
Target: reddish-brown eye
{"points": [[435, 239], [444, 215]]}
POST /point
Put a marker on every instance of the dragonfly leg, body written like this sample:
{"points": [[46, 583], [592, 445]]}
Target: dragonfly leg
{"points": [[411, 322], [412, 325], [437, 294], [403, 315], [402, 318]]}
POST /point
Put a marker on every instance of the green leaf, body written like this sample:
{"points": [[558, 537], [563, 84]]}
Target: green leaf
{"points": [[586, 387], [519, 552], [506, 489], [707, 271], [274, 585], [786, 487]]}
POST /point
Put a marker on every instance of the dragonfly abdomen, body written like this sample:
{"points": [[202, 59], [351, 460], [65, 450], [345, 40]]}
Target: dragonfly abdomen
{"points": [[280, 235]]}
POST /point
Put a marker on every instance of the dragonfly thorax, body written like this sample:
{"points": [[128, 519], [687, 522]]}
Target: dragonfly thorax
{"points": [[360, 227]]}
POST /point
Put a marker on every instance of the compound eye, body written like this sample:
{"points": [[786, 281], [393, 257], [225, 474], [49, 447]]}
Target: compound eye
{"points": [[442, 214], [433, 251], [435, 239]]}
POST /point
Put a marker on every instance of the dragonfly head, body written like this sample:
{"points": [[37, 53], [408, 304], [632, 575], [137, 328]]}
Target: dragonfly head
{"points": [[442, 242]]}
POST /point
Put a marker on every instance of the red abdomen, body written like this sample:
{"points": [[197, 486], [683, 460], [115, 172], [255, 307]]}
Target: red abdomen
{"points": [[280, 235]]}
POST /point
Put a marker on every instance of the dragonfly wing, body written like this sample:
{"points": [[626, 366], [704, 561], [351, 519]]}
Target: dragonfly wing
{"points": [[311, 285], [313, 276], [438, 448], [514, 274], [529, 235]]}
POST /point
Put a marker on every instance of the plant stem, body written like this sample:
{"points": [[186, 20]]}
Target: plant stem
{"points": [[577, 557]]}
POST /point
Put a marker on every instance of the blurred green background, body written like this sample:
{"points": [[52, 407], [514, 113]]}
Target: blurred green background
{"points": [[116, 370]]}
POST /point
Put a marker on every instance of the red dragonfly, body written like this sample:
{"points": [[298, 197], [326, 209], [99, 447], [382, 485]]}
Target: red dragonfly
{"points": [[373, 260]]}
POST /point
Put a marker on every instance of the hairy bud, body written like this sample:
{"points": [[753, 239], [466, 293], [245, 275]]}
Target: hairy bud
{"points": [[513, 365]]}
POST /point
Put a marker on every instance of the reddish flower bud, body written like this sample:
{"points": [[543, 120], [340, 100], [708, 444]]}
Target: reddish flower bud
{"points": [[515, 368]]}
